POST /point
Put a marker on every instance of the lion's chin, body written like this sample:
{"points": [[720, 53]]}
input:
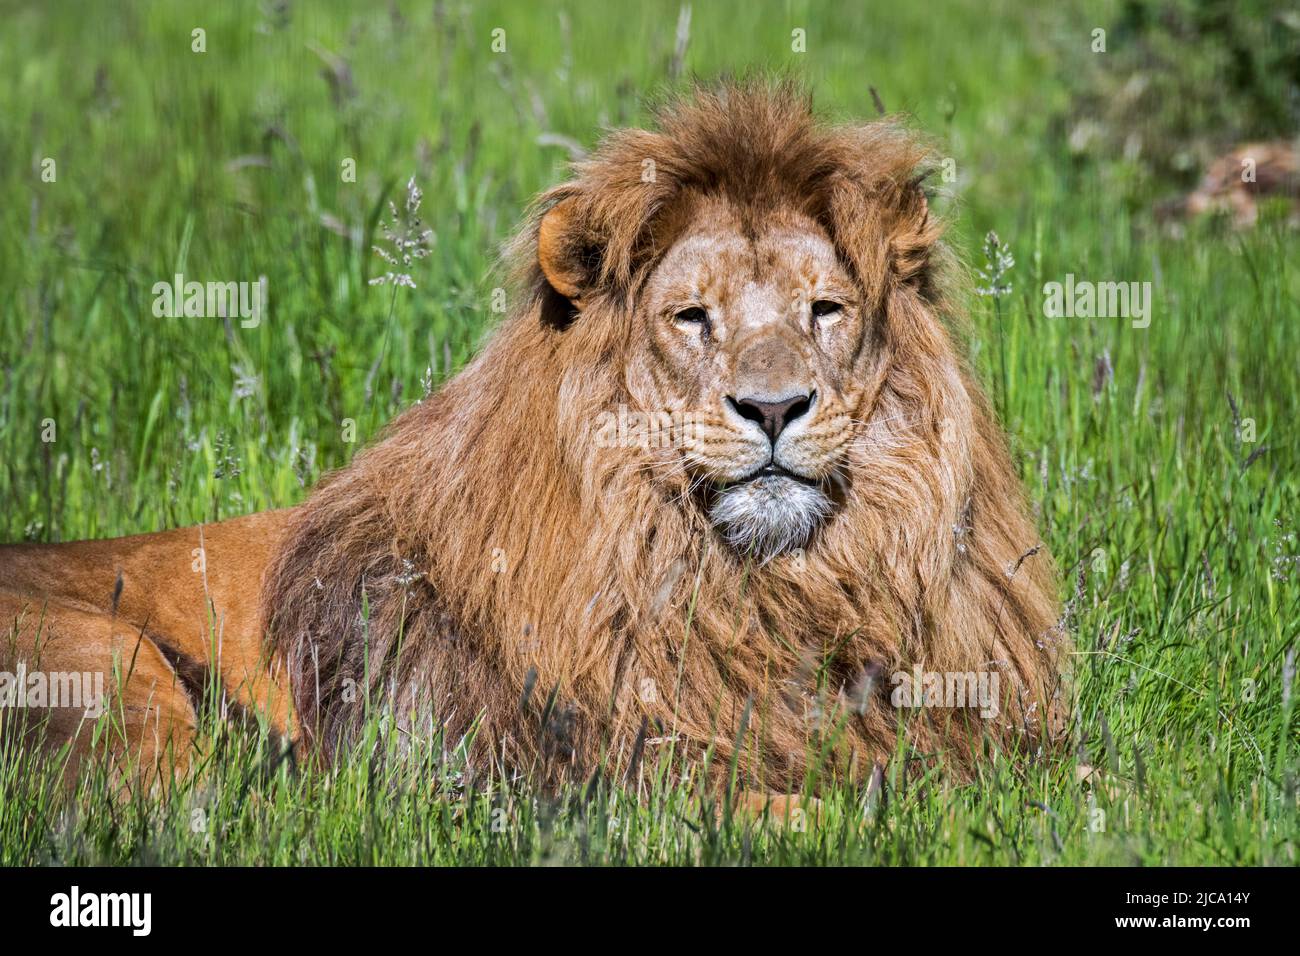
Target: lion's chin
{"points": [[768, 515]]}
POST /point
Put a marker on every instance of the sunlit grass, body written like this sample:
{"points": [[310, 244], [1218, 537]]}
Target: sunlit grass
{"points": [[1175, 522]]}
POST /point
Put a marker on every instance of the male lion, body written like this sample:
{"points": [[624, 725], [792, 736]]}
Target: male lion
{"points": [[721, 479]]}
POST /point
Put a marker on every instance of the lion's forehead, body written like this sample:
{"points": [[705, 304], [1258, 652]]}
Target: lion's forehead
{"points": [[756, 280], [730, 270]]}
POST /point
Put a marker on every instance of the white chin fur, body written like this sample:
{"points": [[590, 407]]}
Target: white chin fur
{"points": [[769, 515]]}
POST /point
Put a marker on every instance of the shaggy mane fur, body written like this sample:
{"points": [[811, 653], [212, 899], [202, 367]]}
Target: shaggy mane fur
{"points": [[486, 565]]}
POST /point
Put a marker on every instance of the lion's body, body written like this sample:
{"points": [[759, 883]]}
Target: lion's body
{"points": [[155, 614], [488, 563]]}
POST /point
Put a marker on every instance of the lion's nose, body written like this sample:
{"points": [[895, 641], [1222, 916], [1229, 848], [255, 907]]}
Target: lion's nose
{"points": [[772, 417]]}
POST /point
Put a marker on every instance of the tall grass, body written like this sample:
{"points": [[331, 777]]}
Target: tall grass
{"points": [[1177, 533]]}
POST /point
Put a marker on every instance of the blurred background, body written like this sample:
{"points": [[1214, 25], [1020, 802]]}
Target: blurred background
{"points": [[228, 142]]}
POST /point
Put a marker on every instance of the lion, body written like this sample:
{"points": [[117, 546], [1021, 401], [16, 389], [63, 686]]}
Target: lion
{"points": [[720, 484]]}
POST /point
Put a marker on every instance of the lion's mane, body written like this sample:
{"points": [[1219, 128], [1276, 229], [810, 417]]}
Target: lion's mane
{"points": [[487, 567]]}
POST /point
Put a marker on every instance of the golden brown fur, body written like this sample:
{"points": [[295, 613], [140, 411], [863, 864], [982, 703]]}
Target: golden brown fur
{"points": [[157, 615], [487, 565], [503, 556]]}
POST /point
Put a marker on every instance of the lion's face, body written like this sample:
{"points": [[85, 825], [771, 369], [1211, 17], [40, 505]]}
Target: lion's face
{"points": [[753, 334]]}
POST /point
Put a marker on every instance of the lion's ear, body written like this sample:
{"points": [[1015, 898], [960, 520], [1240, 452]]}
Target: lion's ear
{"points": [[559, 251], [913, 232], [885, 229]]}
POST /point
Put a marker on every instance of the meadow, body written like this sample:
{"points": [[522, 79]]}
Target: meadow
{"points": [[1161, 460]]}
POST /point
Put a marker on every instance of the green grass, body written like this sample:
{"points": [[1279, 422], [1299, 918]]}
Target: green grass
{"points": [[1179, 537]]}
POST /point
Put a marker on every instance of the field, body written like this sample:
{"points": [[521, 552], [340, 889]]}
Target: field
{"points": [[1160, 459]]}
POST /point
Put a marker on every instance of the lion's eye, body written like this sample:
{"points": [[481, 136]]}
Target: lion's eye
{"points": [[826, 309], [695, 315]]}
